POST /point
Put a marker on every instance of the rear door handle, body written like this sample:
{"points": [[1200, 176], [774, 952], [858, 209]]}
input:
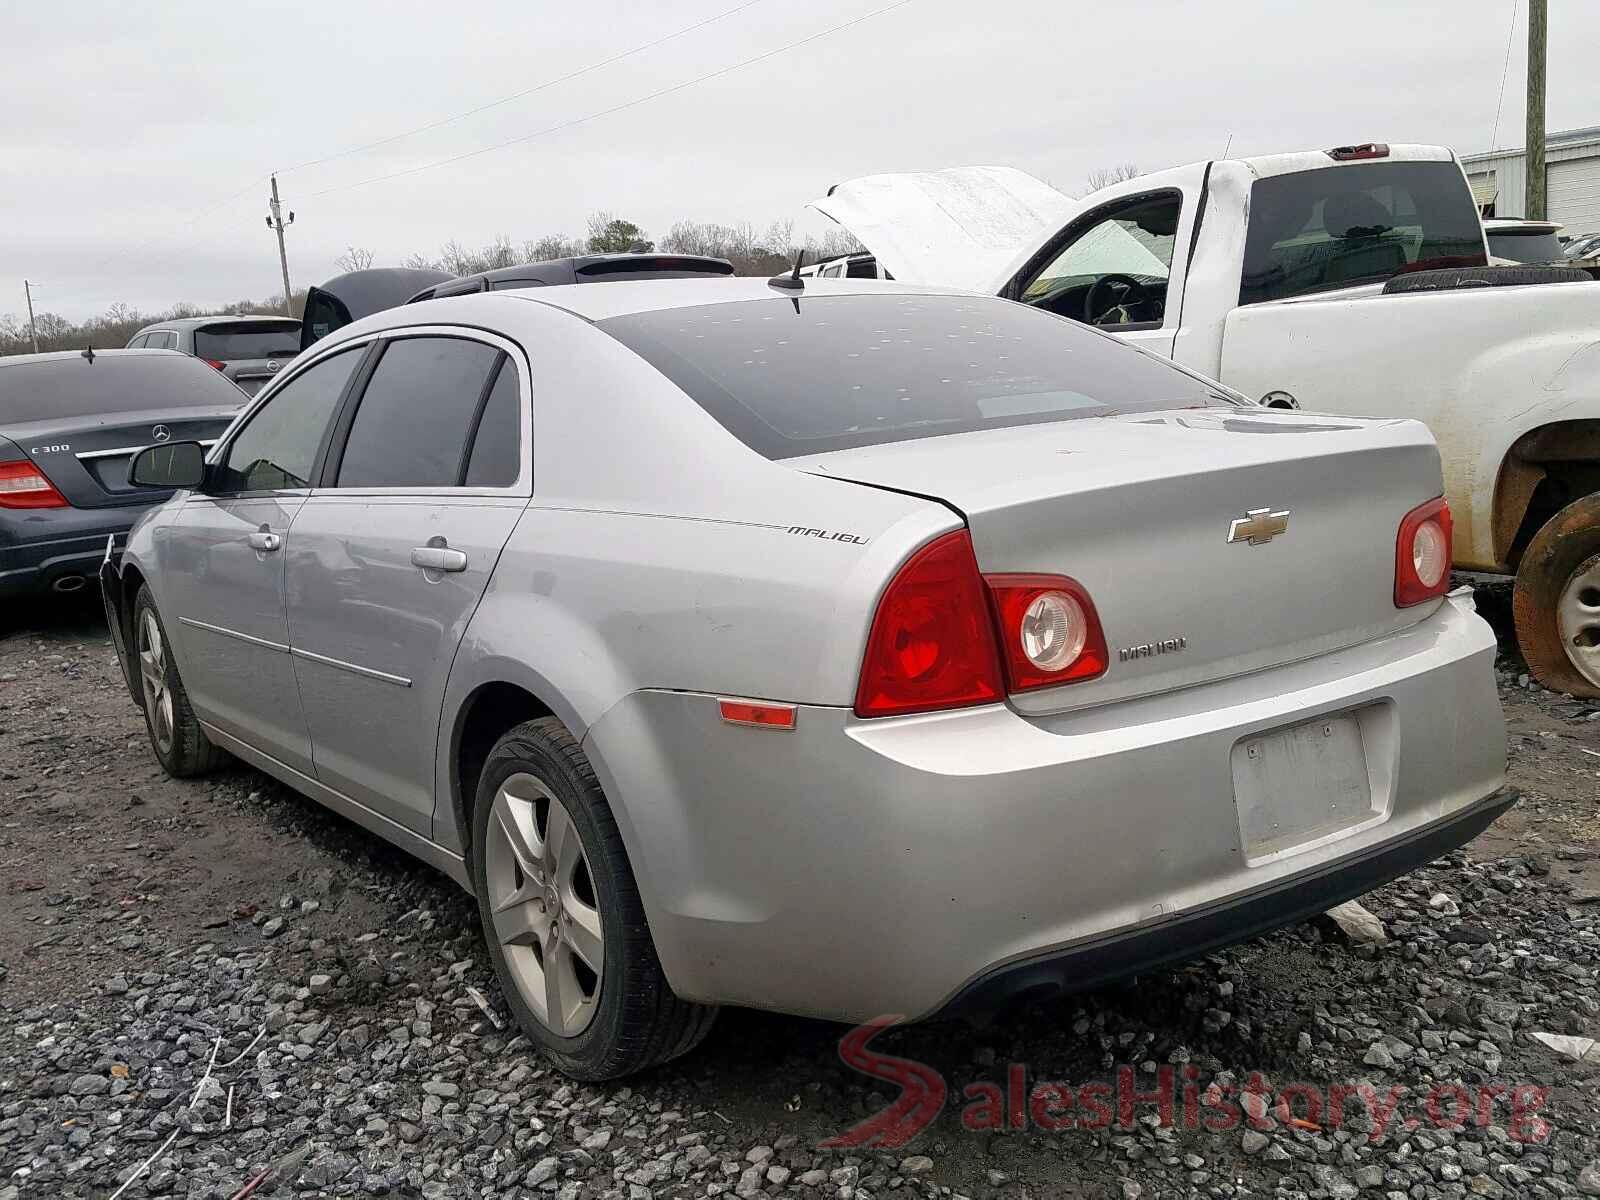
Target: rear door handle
{"points": [[264, 539], [438, 558]]}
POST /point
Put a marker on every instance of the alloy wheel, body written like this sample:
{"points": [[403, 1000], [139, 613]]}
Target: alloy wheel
{"points": [[153, 676], [544, 905], [1578, 619]]}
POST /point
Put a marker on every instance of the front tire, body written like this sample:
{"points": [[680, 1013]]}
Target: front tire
{"points": [[180, 745], [562, 916], [1557, 600]]}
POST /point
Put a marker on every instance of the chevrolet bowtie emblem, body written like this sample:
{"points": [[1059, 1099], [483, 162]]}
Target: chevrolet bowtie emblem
{"points": [[1258, 526]]}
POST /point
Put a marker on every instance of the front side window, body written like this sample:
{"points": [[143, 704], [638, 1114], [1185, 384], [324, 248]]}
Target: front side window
{"points": [[418, 414], [278, 448], [1114, 272], [833, 372], [1361, 223]]}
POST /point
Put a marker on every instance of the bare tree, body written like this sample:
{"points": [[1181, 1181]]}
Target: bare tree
{"points": [[354, 258], [551, 245], [1105, 176]]}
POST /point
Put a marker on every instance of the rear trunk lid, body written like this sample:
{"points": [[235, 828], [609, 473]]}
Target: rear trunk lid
{"points": [[1139, 509], [959, 227], [87, 459]]}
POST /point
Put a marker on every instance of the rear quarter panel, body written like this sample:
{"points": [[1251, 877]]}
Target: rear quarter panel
{"points": [[660, 552], [1480, 367]]}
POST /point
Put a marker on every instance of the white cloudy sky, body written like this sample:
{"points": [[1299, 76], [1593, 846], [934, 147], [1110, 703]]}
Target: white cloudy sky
{"points": [[138, 138]]}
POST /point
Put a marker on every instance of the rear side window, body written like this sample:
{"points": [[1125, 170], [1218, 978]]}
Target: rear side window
{"points": [[418, 413], [232, 342], [1363, 223], [278, 448], [828, 373], [496, 455], [72, 386]]}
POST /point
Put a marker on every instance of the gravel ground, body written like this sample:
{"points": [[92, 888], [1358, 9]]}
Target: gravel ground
{"points": [[223, 978]]}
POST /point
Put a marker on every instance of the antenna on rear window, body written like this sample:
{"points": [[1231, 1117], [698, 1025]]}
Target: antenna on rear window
{"points": [[88, 354], [792, 281]]}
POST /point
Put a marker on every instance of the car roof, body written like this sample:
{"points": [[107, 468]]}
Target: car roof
{"points": [[229, 319], [620, 298], [583, 268], [649, 295], [62, 356]]}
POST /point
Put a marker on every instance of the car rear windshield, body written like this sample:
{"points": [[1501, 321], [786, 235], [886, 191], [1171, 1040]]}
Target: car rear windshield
{"points": [[1526, 246], [1362, 223], [113, 383], [229, 343], [827, 373]]}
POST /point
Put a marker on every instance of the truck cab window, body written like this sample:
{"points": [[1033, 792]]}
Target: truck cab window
{"points": [[1311, 231], [1112, 271]]}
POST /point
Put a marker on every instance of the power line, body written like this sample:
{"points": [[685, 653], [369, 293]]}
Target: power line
{"points": [[1505, 68], [471, 112], [606, 112]]}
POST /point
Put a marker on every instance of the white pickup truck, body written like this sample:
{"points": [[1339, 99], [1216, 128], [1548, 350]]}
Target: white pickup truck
{"points": [[1342, 281]]}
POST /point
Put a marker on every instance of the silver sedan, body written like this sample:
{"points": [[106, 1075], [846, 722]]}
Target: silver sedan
{"points": [[844, 650]]}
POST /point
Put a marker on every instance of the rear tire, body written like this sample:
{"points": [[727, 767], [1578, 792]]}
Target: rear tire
{"points": [[563, 920], [180, 745], [1556, 602]]}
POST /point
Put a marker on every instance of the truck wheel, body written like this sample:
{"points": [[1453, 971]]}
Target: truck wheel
{"points": [[562, 916], [1557, 600]]}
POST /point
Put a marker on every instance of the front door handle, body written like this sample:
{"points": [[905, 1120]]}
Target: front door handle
{"points": [[264, 539], [438, 558]]}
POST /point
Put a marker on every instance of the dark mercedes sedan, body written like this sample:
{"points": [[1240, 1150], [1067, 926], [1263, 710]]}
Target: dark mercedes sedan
{"points": [[69, 425]]}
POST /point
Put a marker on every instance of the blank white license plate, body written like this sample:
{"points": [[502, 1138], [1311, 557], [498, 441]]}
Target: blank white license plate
{"points": [[1298, 785]]}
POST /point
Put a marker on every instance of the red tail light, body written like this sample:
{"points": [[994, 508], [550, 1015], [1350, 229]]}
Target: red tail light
{"points": [[23, 485], [214, 362], [932, 643], [1049, 631], [1422, 554], [946, 636]]}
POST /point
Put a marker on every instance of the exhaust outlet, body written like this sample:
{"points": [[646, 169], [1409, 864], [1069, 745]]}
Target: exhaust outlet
{"points": [[67, 584]]}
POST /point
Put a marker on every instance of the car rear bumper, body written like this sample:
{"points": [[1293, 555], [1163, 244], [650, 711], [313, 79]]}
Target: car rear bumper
{"points": [[851, 869], [60, 550]]}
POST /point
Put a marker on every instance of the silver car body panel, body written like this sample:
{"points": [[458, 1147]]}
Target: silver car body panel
{"points": [[654, 563]]}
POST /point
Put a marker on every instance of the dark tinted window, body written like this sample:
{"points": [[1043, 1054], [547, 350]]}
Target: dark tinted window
{"points": [[857, 370], [502, 285], [278, 448], [227, 343], [1313, 230], [72, 386], [1531, 246], [497, 447], [417, 413]]}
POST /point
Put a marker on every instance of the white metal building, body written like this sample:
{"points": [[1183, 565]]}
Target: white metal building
{"points": [[1572, 180]]}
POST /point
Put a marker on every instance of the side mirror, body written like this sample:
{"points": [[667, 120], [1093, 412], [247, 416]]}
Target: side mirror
{"points": [[171, 466]]}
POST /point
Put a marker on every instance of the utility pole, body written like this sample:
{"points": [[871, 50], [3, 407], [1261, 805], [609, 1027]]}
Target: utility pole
{"points": [[1533, 203], [276, 223], [33, 331]]}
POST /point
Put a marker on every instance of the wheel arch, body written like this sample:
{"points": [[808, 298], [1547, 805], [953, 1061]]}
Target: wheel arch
{"points": [[485, 715], [1543, 471]]}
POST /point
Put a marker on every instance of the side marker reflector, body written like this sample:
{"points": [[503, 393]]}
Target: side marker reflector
{"points": [[752, 712]]}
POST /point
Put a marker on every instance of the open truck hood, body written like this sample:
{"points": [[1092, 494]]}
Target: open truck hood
{"points": [[960, 227]]}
